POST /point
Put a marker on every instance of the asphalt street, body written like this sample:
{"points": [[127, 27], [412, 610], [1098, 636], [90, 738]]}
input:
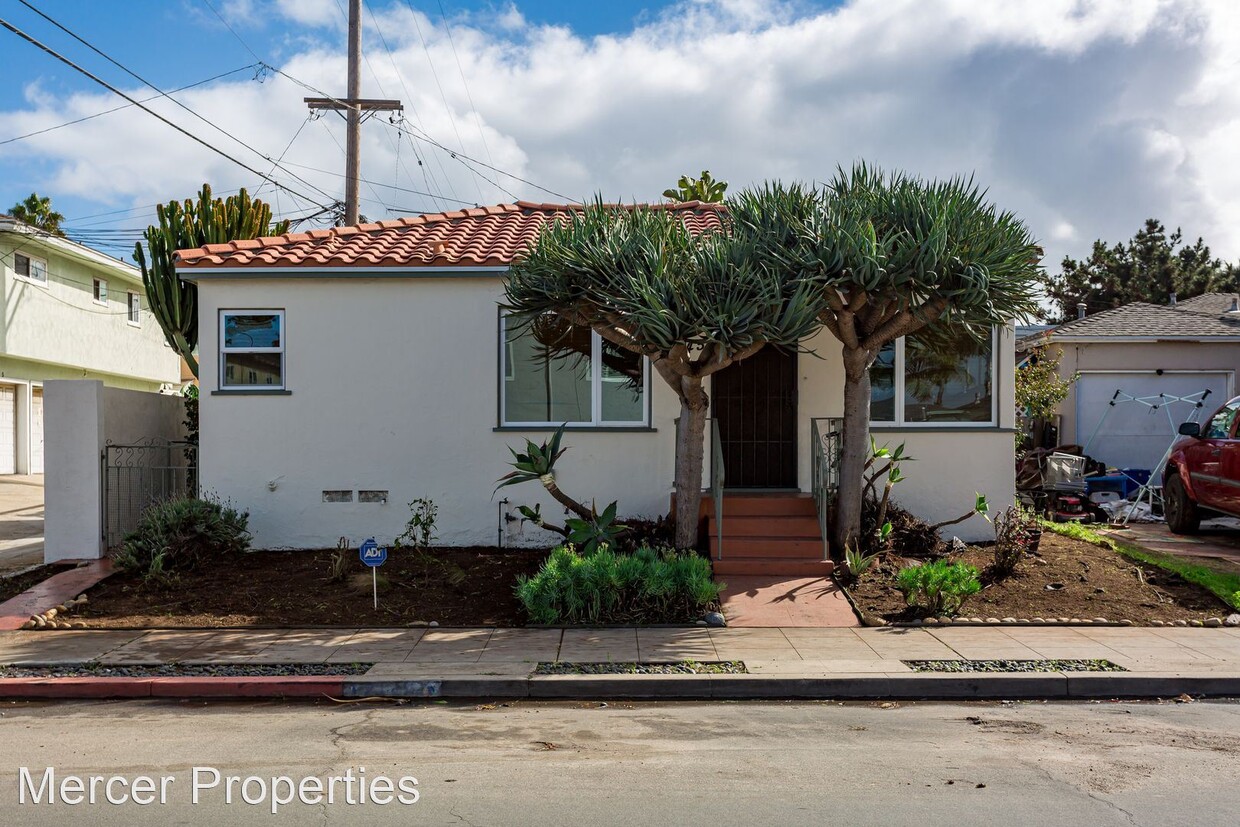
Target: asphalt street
{"points": [[627, 763]]}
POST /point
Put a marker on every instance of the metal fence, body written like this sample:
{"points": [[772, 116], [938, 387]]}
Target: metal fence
{"points": [[135, 476]]}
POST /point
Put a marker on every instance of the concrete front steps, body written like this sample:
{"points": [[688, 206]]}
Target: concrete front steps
{"points": [[767, 534]]}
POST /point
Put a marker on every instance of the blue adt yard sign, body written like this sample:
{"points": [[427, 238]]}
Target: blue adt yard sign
{"points": [[373, 556]]}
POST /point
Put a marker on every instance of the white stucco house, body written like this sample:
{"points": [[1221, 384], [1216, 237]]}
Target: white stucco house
{"points": [[348, 371], [70, 312], [1137, 356]]}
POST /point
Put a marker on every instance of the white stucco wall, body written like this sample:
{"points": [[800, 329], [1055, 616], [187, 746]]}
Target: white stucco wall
{"points": [[951, 463], [58, 331], [393, 386], [81, 417]]}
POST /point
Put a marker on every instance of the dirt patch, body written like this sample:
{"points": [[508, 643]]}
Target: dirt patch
{"points": [[11, 587], [292, 588], [1085, 581]]}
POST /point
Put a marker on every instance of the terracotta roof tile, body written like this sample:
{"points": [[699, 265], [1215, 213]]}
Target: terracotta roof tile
{"points": [[479, 236]]}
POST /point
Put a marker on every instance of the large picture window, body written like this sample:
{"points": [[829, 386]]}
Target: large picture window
{"points": [[934, 377], [555, 373], [252, 349]]}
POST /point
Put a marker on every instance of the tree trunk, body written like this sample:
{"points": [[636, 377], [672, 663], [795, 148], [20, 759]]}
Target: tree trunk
{"points": [[694, 405], [854, 448]]}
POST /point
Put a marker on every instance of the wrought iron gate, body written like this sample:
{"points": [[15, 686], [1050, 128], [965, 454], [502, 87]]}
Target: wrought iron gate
{"points": [[135, 476]]}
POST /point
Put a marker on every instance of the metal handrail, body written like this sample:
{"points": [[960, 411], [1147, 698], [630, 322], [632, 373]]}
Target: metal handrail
{"points": [[825, 470]]}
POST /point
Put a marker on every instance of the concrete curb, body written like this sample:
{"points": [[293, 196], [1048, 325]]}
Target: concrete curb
{"points": [[942, 686]]}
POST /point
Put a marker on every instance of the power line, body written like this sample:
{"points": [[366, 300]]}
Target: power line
{"points": [[162, 93], [447, 27], [124, 106], [389, 186], [9, 26], [427, 175]]}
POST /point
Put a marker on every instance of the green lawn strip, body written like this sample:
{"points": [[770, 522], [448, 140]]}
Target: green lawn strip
{"points": [[1223, 584]]}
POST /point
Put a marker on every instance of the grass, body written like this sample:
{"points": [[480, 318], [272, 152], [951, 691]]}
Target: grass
{"points": [[1223, 584]]}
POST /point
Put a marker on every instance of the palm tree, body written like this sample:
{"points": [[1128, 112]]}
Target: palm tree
{"points": [[38, 212]]}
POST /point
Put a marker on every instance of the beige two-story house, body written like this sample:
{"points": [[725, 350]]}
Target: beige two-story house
{"points": [[69, 312]]}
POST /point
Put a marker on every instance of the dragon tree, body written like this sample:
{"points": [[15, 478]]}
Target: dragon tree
{"points": [[693, 301]]}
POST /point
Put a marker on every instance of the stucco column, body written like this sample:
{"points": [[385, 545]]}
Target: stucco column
{"points": [[73, 427]]}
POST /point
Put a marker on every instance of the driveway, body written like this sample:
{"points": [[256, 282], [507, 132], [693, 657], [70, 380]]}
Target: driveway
{"points": [[1217, 544], [21, 522]]}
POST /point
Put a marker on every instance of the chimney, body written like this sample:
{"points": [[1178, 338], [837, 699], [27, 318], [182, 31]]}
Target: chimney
{"points": [[1173, 298], [1080, 310]]}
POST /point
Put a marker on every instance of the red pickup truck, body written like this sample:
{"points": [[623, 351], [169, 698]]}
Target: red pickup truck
{"points": [[1202, 478]]}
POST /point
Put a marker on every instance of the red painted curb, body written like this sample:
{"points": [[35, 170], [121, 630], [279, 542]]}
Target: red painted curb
{"points": [[275, 686], [292, 686]]}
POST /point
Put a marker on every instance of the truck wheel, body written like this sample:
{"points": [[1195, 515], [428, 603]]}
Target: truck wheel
{"points": [[1183, 516]]}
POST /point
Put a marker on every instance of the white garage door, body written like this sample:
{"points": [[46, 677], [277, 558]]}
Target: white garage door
{"points": [[8, 429], [1133, 435], [36, 431]]}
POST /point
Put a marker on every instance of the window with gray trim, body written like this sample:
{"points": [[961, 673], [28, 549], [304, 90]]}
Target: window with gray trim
{"points": [[252, 349], [34, 269], [554, 373], [934, 377]]}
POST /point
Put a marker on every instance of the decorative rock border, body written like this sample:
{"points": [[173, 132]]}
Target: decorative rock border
{"points": [[51, 618], [1209, 622]]}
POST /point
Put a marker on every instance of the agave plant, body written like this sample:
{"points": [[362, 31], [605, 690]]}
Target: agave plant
{"points": [[538, 463]]}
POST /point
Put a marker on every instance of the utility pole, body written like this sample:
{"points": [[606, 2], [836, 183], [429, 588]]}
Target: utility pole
{"points": [[356, 109]]}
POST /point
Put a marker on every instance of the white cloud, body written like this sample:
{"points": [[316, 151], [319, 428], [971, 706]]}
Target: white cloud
{"points": [[1083, 117]]}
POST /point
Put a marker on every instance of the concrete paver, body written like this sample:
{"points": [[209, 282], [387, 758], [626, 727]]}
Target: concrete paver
{"points": [[21, 522]]}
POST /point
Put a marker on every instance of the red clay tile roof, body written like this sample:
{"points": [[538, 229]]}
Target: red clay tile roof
{"points": [[476, 237]]}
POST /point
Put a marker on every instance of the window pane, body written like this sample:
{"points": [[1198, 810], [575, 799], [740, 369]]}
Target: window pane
{"points": [[947, 377], [246, 331], [547, 373], [21, 264], [1219, 426], [882, 385], [248, 369], [38, 270], [624, 385]]}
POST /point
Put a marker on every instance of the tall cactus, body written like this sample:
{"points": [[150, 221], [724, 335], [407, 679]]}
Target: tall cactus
{"points": [[183, 226]]}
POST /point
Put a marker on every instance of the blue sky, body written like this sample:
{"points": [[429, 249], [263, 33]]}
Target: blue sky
{"points": [[1084, 118]]}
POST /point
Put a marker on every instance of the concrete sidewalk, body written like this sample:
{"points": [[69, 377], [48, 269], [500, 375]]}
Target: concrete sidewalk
{"points": [[781, 663]]}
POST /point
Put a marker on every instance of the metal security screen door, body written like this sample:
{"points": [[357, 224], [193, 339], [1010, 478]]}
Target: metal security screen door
{"points": [[755, 402], [137, 476]]}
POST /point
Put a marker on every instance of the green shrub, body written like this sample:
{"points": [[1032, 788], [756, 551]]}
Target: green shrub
{"points": [[939, 587], [177, 535], [647, 586]]}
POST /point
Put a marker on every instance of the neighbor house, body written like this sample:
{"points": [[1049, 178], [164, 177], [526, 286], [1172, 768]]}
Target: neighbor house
{"points": [[70, 312], [1143, 368], [346, 372]]}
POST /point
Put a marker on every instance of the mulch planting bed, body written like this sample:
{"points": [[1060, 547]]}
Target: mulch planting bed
{"points": [[11, 587], [1066, 579], [94, 670], [468, 587]]}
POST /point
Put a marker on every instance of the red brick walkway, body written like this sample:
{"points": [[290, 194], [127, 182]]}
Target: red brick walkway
{"points": [[56, 589], [776, 600]]}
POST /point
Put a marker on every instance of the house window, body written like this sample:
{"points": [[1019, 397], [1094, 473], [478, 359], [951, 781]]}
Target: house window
{"points": [[252, 349], [101, 291], [554, 373], [934, 377], [30, 268], [135, 308]]}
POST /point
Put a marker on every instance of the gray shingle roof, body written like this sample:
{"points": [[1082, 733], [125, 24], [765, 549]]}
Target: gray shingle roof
{"points": [[1195, 318]]}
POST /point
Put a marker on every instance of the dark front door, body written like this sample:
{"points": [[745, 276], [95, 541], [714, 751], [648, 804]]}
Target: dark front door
{"points": [[755, 403]]}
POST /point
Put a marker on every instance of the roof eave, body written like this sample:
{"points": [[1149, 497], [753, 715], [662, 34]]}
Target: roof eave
{"points": [[208, 273]]}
